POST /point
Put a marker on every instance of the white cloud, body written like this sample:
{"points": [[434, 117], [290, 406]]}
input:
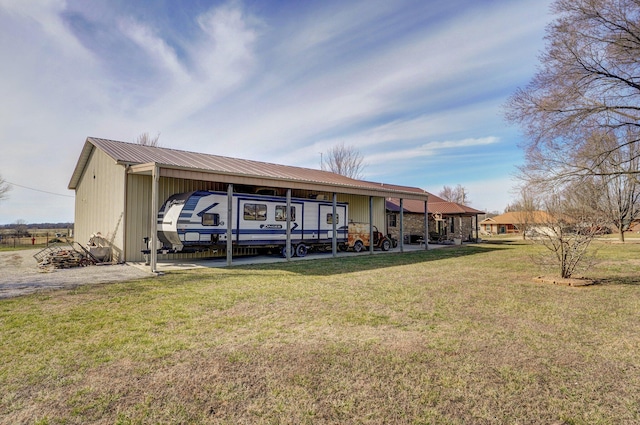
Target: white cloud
{"points": [[51, 93], [428, 69], [398, 80], [427, 149], [164, 56], [230, 38], [334, 26], [44, 16], [220, 60]]}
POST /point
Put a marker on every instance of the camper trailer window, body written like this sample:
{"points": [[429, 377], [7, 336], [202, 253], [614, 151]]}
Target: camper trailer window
{"points": [[209, 219], [255, 212], [330, 218], [281, 213]]}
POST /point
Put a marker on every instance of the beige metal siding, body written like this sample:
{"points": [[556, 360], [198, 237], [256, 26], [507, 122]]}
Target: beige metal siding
{"points": [[139, 208], [359, 209], [99, 206], [138, 215], [380, 214]]}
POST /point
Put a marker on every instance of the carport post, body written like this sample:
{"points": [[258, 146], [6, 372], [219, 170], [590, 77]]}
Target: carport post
{"points": [[371, 224], [334, 239], [401, 225], [288, 216], [229, 224], [153, 249], [426, 226]]}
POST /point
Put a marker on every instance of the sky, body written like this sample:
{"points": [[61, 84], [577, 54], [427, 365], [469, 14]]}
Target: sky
{"points": [[417, 87]]}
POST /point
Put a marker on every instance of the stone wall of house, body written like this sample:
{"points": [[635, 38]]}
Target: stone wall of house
{"points": [[414, 225], [468, 228]]}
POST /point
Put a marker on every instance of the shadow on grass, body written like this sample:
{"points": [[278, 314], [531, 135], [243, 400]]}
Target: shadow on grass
{"points": [[505, 241], [333, 266], [618, 280]]}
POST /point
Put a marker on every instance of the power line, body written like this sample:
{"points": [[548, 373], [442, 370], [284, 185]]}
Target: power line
{"points": [[38, 190]]}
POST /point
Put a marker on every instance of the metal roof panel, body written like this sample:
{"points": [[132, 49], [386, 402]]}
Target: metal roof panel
{"points": [[133, 154]]}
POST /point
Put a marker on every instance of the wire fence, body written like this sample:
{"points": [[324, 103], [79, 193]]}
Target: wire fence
{"points": [[30, 241]]}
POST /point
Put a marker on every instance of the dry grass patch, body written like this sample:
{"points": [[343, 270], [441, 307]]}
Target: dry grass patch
{"points": [[455, 336]]}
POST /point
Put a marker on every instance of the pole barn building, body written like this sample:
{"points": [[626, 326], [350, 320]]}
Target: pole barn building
{"points": [[120, 187]]}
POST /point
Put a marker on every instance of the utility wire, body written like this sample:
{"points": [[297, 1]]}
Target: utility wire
{"points": [[38, 190]]}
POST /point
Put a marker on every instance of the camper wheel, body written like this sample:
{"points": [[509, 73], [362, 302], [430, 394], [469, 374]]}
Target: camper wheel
{"points": [[283, 252], [301, 250]]}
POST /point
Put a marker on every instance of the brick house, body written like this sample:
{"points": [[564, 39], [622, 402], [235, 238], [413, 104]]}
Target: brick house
{"points": [[515, 222], [446, 219]]}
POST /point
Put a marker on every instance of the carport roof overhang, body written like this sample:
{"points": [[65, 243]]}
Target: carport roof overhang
{"points": [[193, 173]]}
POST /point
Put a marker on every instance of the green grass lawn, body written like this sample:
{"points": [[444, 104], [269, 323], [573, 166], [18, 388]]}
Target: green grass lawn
{"points": [[459, 335], [8, 248]]}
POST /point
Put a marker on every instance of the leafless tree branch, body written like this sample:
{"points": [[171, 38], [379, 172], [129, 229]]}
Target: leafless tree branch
{"points": [[344, 160], [456, 194], [4, 188], [145, 140], [588, 82]]}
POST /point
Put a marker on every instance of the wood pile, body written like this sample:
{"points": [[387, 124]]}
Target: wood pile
{"points": [[65, 259]]}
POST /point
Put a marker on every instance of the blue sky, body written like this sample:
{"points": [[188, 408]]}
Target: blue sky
{"points": [[418, 87]]}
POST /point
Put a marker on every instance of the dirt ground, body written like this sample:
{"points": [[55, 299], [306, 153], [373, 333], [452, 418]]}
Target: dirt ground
{"points": [[20, 274]]}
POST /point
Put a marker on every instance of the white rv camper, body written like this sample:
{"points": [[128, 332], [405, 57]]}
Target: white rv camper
{"points": [[193, 220]]}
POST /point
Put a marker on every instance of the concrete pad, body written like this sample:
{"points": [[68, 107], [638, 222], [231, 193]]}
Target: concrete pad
{"points": [[165, 265]]}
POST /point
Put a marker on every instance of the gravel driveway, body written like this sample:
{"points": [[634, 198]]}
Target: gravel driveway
{"points": [[20, 275]]}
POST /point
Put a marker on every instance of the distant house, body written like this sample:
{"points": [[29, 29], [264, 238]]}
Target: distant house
{"points": [[515, 222], [635, 226], [446, 220]]}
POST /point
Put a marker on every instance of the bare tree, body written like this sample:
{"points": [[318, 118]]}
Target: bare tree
{"points": [[611, 189], [456, 194], [620, 203], [4, 188], [145, 140], [615, 197], [588, 83], [20, 228], [344, 160], [566, 232]]}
